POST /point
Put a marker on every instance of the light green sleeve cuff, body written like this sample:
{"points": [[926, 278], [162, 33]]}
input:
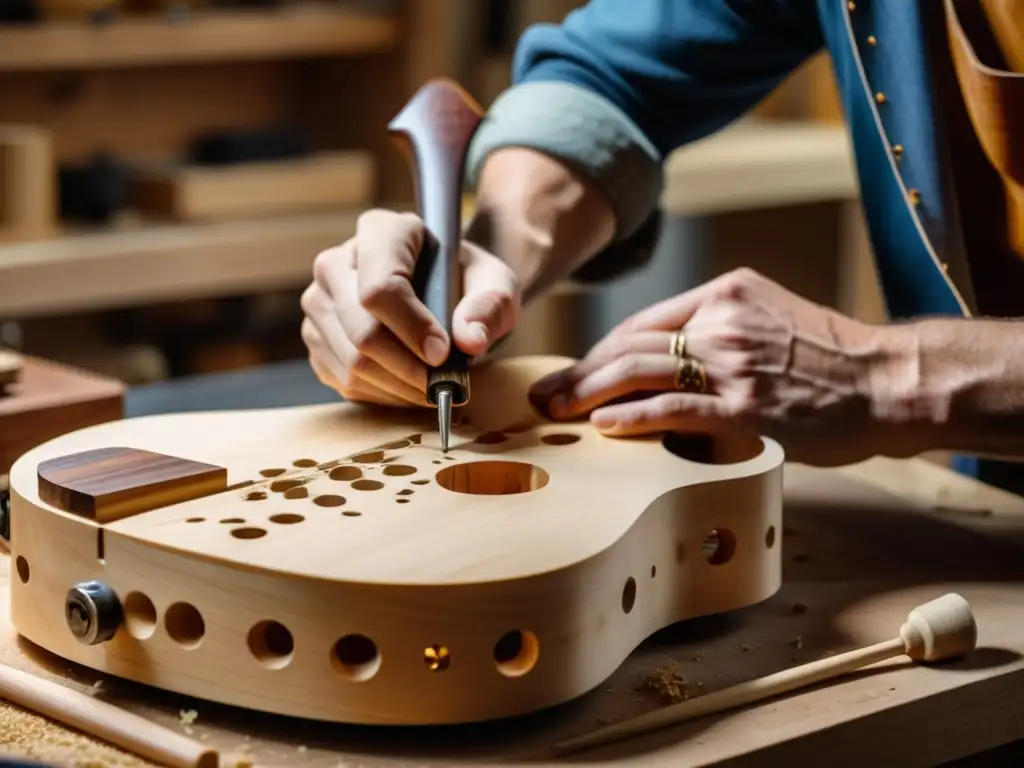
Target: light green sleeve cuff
{"points": [[584, 130]]}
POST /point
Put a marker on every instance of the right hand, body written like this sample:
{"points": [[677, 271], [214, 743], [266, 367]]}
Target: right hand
{"points": [[370, 338]]}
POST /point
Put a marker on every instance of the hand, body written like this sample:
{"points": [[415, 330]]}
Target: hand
{"points": [[370, 338], [775, 364]]}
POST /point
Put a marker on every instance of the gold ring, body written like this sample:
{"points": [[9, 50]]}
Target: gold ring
{"points": [[690, 376], [678, 346]]}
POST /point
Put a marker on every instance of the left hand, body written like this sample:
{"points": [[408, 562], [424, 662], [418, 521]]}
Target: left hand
{"points": [[775, 364]]}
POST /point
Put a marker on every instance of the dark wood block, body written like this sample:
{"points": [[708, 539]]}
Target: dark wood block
{"points": [[50, 399], [112, 483]]}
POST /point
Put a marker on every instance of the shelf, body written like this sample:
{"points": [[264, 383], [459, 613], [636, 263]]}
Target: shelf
{"points": [[86, 272], [760, 164], [305, 30]]}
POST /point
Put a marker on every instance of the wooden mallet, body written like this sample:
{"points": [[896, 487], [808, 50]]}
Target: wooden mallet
{"points": [[939, 630]]}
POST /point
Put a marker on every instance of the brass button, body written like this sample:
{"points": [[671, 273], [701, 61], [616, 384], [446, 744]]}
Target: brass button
{"points": [[880, 97], [851, 5], [945, 267], [872, 40], [915, 196], [897, 149]]}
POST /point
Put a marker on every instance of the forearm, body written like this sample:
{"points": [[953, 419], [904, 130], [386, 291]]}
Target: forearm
{"points": [[955, 384], [539, 216]]}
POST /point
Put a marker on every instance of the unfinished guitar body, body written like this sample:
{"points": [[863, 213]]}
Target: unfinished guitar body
{"points": [[330, 562]]}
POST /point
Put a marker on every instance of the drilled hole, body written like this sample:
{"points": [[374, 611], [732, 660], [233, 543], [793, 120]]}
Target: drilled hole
{"points": [[370, 457], [654, 571], [437, 658], [367, 485], [399, 470], [769, 537], [303, 463], [492, 478], [421, 481], [719, 546], [402, 501], [356, 657], [516, 653], [185, 625], [23, 570], [194, 519], [492, 438], [248, 533], [329, 500], [233, 520], [271, 643], [296, 493], [346, 474], [629, 595], [281, 486], [255, 496], [406, 492], [351, 513], [139, 615], [272, 472], [286, 519], [560, 438]]}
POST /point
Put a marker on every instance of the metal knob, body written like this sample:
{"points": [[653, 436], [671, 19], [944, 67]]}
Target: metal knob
{"points": [[93, 612]]}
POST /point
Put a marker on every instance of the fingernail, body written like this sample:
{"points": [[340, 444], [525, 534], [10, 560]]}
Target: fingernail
{"points": [[435, 349], [602, 419], [478, 332]]}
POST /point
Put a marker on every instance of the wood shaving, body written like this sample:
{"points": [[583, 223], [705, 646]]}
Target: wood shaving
{"points": [[187, 717]]}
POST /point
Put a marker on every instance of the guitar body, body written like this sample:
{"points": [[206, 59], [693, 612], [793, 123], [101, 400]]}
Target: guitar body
{"points": [[330, 562]]}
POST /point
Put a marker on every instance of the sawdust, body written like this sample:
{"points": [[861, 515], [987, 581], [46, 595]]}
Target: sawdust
{"points": [[26, 735], [667, 682]]}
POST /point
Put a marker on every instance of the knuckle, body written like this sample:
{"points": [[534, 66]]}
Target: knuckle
{"points": [[360, 365], [327, 260], [376, 293], [367, 338]]}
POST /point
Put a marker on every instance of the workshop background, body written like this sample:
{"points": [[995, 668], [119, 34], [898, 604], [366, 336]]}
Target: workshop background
{"points": [[169, 169]]}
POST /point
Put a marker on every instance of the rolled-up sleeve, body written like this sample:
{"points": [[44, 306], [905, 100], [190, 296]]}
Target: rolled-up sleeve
{"points": [[620, 84]]}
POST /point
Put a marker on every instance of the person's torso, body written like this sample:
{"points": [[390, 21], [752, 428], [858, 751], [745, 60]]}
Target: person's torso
{"points": [[934, 202]]}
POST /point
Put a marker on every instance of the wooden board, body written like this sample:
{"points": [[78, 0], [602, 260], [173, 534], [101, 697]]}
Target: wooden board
{"points": [[28, 184], [49, 400], [862, 545], [10, 369], [323, 181], [372, 562]]}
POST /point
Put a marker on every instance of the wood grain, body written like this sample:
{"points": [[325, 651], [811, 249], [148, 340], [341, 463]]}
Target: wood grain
{"points": [[106, 484]]}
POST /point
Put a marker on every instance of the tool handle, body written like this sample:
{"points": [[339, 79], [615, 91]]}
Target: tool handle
{"points": [[434, 131], [104, 721], [736, 696]]}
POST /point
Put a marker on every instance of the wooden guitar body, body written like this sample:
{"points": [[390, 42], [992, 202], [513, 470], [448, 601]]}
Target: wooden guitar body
{"points": [[329, 562]]}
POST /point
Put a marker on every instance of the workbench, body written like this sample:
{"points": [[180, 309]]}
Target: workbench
{"points": [[862, 545]]}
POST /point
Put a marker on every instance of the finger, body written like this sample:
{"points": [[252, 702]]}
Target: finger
{"points": [[354, 392], [669, 412], [369, 337], [669, 314], [387, 247], [649, 342], [627, 375], [348, 366], [491, 305]]}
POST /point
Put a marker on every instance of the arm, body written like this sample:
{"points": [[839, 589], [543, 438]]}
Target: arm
{"points": [[954, 384], [568, 162]]}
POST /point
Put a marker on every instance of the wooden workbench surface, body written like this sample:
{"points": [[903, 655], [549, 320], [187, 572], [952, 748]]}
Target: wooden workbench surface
{"points": [[862, 546]]}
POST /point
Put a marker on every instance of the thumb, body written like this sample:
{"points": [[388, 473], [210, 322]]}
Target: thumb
{"points": [[491, 303], [670, 412]]}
